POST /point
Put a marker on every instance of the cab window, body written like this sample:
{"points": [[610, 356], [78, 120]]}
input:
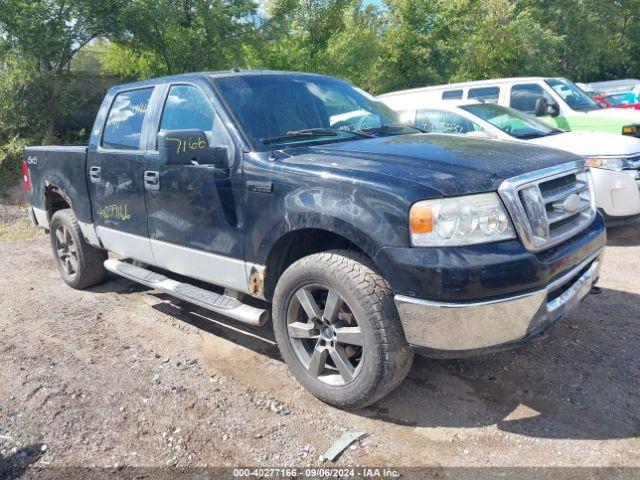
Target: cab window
{"points": [[452, 95], [488, 94], [443, 121], [123, 127], [524, 97]]}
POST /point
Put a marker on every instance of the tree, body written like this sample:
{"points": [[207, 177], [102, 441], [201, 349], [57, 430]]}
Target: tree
{"points": [[39, 40], [438, 41], [335, 37], [600, 37], [505, 41], [157, 37]]}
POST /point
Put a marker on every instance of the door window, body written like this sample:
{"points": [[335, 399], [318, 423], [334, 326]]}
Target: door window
{"points": [[123, 128], [489, 94], [443, 121], [188, 108], [525, 96]]}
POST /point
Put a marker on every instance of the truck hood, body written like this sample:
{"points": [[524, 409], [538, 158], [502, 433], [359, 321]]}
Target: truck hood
{"points": [[450, 164], [591, 143]]}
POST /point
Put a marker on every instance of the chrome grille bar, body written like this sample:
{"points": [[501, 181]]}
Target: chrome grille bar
{"points": [[563, 192], [550, 205]]}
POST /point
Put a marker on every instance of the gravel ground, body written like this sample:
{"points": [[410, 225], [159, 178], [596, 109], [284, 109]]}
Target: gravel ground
{"points": [[120, 375]]}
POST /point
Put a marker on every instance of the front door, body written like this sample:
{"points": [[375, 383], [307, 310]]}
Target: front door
{"points": [[194, 210], [115, 169]]}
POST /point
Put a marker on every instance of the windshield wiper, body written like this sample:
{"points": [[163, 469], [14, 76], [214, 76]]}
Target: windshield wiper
{"points": [[390, 127], [525, 136], [306, 132], [315, 132]]}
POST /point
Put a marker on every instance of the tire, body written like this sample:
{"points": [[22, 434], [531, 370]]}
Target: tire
{"points": [[80, 265], [355, 321]]}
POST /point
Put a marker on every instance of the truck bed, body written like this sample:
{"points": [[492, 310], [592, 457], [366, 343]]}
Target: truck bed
{"points": [[59, 169]]}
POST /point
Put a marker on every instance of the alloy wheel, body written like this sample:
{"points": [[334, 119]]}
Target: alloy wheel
{"points": [[66, 250], [325, 335]]}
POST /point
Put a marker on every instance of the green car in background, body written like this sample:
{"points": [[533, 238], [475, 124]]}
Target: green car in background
{"points": [[557, 101]]}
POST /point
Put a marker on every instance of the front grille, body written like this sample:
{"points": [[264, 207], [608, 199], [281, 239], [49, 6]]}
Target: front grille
{"points": [[633, 168], [550, 205]]}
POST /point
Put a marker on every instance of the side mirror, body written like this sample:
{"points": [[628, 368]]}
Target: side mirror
{"points": [[541, 107], [189, 147], [553, 110]]}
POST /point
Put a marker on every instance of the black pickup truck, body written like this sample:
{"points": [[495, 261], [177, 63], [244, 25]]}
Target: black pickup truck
{"points": [[299, 199]]}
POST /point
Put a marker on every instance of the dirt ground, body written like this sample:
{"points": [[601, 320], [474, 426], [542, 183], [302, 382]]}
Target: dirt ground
{"points": [[119, 375]]}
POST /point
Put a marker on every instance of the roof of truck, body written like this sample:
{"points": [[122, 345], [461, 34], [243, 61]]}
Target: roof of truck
{"points": [[614, 85], [235, 72], [466, 84]]}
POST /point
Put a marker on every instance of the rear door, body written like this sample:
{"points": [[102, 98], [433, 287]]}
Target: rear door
{"points": [[115, 169], [195, 214]]}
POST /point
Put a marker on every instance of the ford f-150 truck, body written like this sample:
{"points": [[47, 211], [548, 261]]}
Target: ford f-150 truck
{"points": [[299, 199]]}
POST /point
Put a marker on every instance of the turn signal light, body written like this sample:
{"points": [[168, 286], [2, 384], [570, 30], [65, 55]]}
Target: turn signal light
{"points": [[630, 130], [420, 219]]}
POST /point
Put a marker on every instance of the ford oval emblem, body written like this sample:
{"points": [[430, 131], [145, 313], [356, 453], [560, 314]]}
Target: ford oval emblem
{"points": [[571, 203]]}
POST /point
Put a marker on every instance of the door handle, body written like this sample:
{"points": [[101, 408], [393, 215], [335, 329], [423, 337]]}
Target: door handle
{"points": [[95, 173], [152, 180]]}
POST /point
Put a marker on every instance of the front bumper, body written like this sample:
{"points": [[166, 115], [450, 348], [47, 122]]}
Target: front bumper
{"points": [[459, 328]]}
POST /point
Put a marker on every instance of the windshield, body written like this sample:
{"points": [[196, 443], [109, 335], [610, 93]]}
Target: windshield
{"points": [[612, 100], [298, 109], [623, 98], [510, 121], [570, 93]]}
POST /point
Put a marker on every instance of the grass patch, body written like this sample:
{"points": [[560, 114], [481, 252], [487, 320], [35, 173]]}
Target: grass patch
{"points": [[17, 230]]}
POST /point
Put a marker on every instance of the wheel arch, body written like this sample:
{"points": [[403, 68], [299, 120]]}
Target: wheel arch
{"points": [[55, 198], [299, 243]]}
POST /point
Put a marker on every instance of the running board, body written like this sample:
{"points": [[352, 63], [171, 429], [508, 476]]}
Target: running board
{"points": [[222, 304]]}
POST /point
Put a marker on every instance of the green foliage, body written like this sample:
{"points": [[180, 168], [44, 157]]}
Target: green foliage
{"points": [[55, 54], [157, 37], [504, 42], [10, 163], [334, 37], [50, 32]]}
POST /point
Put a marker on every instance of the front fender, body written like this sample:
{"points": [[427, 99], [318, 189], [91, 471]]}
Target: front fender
{"points": [[369, 219]]}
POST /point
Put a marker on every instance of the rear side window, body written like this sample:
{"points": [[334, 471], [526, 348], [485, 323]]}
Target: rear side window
{"points": [[452, 95], [525, 96], [123, 128], [489, 94]]}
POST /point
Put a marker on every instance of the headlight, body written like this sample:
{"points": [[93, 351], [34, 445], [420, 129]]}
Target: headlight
{"points": [[459, 221], [613, 163], [608, 163], [630, 130]]}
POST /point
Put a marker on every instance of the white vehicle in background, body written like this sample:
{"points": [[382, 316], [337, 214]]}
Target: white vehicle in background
{"points": [[611, 86], [615, 159], [557, 101]]}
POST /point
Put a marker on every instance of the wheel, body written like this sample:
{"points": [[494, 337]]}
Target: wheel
{"points": [[79, 264], [338, 330]]}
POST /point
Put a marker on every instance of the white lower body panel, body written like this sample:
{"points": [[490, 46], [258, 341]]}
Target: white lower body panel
{"points": [[209, 267]]}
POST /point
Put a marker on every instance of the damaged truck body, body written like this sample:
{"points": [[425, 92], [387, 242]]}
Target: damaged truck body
{"points": [[301, 200]]}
